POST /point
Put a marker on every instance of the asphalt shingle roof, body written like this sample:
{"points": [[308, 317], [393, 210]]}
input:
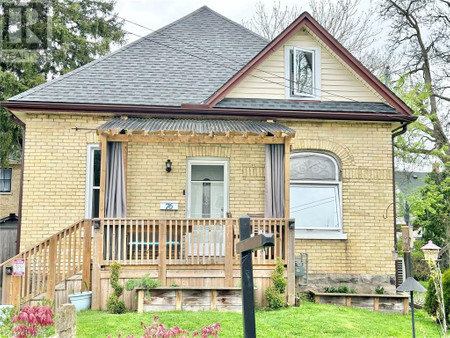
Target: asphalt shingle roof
{"points": [[165, 68], [325, 106], [193, 125]]}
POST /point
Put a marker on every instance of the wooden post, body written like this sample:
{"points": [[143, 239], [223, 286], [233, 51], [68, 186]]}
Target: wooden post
{"points": [[162, 269], [376, 304], [125, 163], [229, 252], [103, 148], [87, 256], [140, 301], [348, 301], [179, 299], [213, 300], [287, 182], [96, 266], [15, 291], [405, 306], [51, 281]]}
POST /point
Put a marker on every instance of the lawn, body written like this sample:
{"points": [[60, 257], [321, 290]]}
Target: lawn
{"points": [[310, 320]]}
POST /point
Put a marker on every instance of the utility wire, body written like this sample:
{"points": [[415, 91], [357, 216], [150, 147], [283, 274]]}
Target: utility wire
{"points": [[225, 66], [229, 59]]}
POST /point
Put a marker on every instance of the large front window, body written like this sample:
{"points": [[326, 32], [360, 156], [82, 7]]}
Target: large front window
{"points": [[207, 193], [315, 192]]}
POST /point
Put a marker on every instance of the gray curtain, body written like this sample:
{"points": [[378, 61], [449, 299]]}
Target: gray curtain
{"points": [[274, 189], [115, 196]]}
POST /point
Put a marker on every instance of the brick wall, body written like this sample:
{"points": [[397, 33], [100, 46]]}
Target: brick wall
{"points": [[54, 173], [55, 167], [365, 153], [9, 201]]}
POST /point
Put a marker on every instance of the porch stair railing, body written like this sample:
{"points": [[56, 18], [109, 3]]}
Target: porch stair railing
{"points": [[49, 262]]}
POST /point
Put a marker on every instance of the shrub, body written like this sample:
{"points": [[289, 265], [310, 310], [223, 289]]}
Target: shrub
{"points": [[431, 305], [379, 290], [157, 329], [114, 304], [33, 321], [145, 283], [275, 294], [6, 323], [340, 289]]}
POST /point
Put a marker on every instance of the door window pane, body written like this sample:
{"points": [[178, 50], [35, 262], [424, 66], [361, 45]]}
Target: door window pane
{"points": [[207, 190]]}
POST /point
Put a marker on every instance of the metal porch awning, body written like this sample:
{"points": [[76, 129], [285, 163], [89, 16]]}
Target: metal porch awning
{"points": [[193, 127]]}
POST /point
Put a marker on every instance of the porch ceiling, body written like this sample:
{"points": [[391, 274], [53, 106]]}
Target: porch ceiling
{"points": [[151, 128]]}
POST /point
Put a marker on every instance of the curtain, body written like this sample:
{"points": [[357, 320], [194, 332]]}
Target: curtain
{"points": [[115, 197], [274, 188]]}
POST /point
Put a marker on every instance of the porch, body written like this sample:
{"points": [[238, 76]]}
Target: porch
{"points": [[195, 253]]}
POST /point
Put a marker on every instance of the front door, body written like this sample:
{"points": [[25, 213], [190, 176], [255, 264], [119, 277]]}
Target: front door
{"points": [[207, 188]]}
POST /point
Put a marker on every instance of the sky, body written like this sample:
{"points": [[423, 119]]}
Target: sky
{"points": [[155, 14]]}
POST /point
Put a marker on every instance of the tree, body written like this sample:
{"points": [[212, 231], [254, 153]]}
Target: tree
{"points": [[419, 32], [78, 32], [431, 205], [344, 20]]}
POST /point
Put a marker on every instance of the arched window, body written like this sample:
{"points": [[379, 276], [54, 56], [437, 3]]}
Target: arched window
{"points": [[315, 193]]}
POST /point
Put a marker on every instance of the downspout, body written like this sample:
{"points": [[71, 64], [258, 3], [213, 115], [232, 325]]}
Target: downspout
{"points": [[395, 133], [15, 120]]}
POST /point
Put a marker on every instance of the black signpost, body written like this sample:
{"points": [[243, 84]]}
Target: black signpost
{"points": [[245, 248]]}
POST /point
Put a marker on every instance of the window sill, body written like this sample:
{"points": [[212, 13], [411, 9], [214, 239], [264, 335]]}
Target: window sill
{"points": [[5, 193], [319, 234]]}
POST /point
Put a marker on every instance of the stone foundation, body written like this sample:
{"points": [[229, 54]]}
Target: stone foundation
{"points": [[361, 283]]}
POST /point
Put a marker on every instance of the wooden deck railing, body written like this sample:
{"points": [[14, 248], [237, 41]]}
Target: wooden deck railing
{"points": [[185, 241], [50, 262]]}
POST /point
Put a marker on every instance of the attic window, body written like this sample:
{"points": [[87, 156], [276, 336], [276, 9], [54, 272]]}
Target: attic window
{"points": [[303, 72]]}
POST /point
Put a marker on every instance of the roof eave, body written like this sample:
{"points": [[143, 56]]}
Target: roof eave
{"points": [[202, 111]]}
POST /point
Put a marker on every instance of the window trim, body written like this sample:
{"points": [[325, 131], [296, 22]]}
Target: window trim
{"points": [[316, 73], [207, 161], [89, 178], [9, 192], [322, 233]]}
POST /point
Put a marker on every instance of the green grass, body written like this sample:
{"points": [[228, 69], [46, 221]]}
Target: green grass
{"points": [[310, 320]]}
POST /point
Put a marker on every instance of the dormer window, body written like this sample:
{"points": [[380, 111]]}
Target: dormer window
{"points": [[303, 72]]}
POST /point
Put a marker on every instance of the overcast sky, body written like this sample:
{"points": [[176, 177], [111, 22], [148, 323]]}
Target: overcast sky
{"points": [[155, 14]]}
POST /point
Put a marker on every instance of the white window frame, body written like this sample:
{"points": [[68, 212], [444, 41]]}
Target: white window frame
{"points": [[316, 73], [207, 161], [10, 183], [322, 233], [89, 179]]}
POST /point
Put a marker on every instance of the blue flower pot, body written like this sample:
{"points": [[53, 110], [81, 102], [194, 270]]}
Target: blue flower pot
{"points": [[81, 300]]}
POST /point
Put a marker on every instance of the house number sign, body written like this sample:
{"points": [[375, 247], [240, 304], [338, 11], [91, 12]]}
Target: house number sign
{"points": [[168, 205], [19, 267]]}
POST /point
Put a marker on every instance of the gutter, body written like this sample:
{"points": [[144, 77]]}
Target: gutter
{"points": [[202, 111], [403, 128], [17, 121]]}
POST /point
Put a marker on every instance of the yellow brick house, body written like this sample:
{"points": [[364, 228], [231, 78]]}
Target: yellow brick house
{"points": [[155, 150]]}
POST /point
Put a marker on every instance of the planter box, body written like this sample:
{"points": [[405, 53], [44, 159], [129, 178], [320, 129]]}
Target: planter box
{"points": [[190, 299], [375, 302]]}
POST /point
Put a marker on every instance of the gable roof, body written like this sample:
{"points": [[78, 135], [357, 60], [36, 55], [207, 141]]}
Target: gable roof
{"points": [[184, 62], [194, 60], [305, 19]]}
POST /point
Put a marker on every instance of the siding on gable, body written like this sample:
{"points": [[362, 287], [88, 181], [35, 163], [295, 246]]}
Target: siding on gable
{"points": [[338, 81]]}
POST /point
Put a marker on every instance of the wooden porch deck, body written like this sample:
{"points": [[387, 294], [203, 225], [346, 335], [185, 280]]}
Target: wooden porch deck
{"points": [[198, 252]]}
